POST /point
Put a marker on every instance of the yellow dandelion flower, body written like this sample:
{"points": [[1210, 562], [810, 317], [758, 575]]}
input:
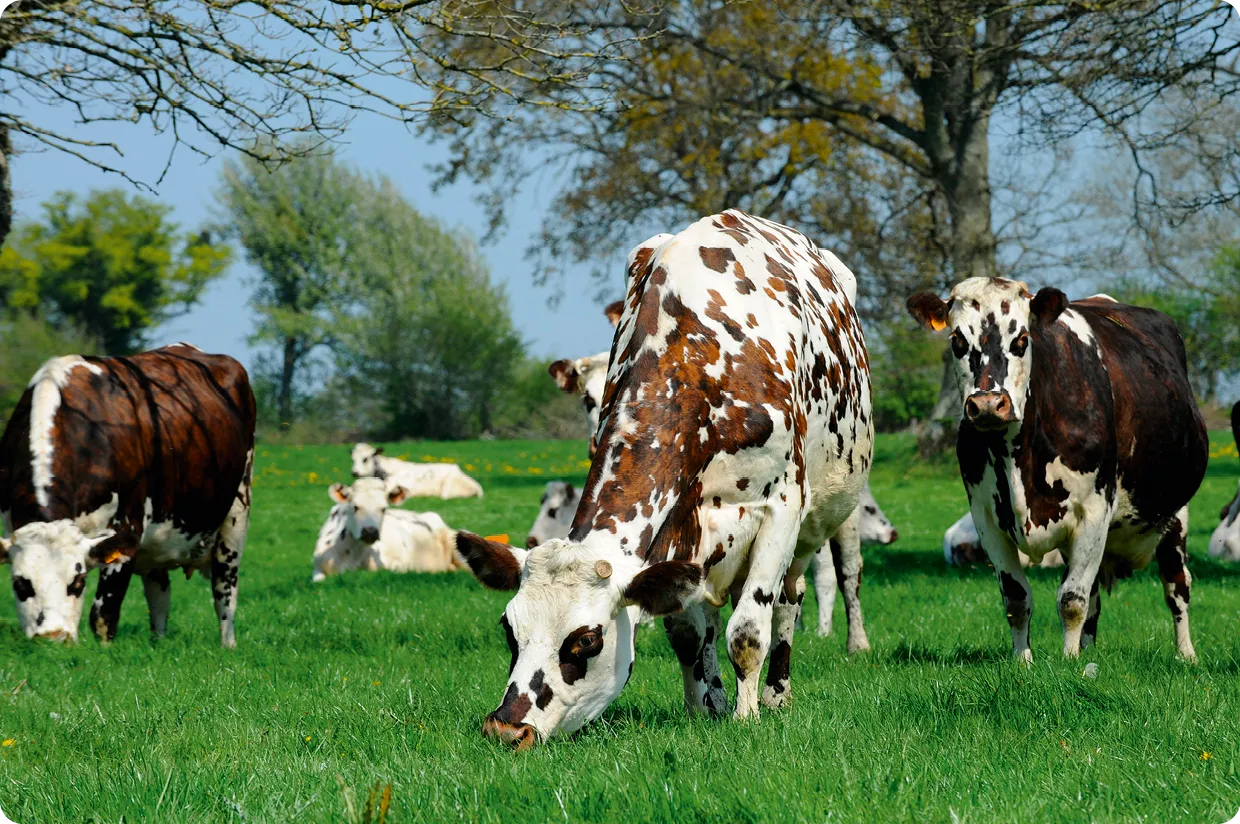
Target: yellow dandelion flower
{"points": [[308, 737], [8, 742], [375, 683], [1205, 756]]}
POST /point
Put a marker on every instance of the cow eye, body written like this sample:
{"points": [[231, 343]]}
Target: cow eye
{"points": [[587, 642], [1020, 344], [960, 346]]}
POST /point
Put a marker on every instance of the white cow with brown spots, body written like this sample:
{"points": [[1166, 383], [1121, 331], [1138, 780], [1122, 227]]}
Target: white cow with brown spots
{"points": [[962, 546], [735, 437], [362, 532], [419, 480]]}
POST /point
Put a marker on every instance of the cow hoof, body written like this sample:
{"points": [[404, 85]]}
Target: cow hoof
{"points": [[1025, 657], [824, 630], [860, 645], [1188, 656], [775, 699]]}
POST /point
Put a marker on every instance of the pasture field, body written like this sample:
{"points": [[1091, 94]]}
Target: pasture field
{"points": [[379, 678]]}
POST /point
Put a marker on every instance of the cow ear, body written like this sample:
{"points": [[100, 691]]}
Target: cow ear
{"points": [[379, 450], [928, 309], [1048, 304], [397, 495], [564, 373], [5, 545], [570, 491], [665, 587], [339, 493], [613, 311], [495, 565], [104, 549]]}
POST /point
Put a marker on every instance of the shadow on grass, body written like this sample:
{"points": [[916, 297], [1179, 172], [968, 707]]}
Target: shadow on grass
{"points": [[906, 653]]}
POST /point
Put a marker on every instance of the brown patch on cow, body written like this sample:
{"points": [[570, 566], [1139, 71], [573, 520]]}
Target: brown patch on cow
{"points": [[716, 258], [743, 483], [564, 373], [763, 598], [715, 557], [78, 584], [734, 228], [541, 690], [492, 563], [511, 640], [779, 671], [615, 309], [22, 588], [661, 588], [514, 706], [578, 648]]}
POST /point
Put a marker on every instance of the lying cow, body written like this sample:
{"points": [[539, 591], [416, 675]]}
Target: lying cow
{"points": [[555, 513], [129, 464], [361, 532], [832, 571], [1225, 542], [962, 547], [419, 480], [1080, 433], [735, 437]]}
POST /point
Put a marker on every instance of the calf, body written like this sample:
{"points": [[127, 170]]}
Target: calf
{"points": [[1080, 433], [1225, 542], [129, 464], [555, 515], [962, 547], [419, 480], [735, 437], [834, 570], [362, 533]]}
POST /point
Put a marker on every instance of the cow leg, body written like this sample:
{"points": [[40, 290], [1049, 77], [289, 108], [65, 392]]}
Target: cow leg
{"points": [[226, 560], [783, 626], [692, 634], [1172, 555], [105, 612], [156, 587], [1089, 635], [846, 556], [1083, 559], [824, 588]]}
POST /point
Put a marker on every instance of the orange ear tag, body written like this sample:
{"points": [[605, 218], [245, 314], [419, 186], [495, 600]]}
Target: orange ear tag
{"points": [[113, 557], [938, 325], [503, 539]]}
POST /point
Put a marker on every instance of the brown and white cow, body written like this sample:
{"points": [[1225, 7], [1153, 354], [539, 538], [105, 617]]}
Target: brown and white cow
{"points": [[1080, 433], [137, 464], [735, 438]]}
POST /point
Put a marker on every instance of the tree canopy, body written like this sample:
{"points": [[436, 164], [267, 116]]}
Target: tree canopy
{"points": [[112, 265]]}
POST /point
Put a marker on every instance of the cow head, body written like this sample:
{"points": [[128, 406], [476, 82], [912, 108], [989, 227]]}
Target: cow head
{"points": [[875, 528], [586, 377], [569, 628], [364, 463], [49, 566], [365, 503], [991, 320], [555, 515]]}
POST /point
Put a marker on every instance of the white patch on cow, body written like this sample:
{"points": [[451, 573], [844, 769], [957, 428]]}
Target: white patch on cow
{"points": [[187, 345], [555, 513], [1077, 325], [1225, 541], [420, 480], [92, 523], [44, 403], [164, 545], [1102, 296]]}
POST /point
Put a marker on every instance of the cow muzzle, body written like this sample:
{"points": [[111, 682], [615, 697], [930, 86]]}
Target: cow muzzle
{"points": [[58, 636], [989, 411], [531, 542], [369, 534], [518, 736]]}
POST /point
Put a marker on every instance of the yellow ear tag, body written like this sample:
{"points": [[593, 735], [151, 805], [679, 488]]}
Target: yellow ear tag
{"points": [[938, 325], [503, 539], [603, 569], [113, 557]]}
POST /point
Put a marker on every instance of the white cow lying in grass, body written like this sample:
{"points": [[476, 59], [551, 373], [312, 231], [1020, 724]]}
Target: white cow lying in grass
{"points": [[962, 547], [420, 480], [1225, 542], [361, 532]]}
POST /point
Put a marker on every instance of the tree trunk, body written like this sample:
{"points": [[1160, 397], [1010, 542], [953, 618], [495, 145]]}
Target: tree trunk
{"points": [[286, 380], [6, 185]]}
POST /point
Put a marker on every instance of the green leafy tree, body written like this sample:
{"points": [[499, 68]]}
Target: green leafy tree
{"points": [[112, 265], [298, 225], [26, 341], [905, 368], [430, 338]]}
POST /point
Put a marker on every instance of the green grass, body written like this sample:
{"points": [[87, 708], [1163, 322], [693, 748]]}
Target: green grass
{"points": [[381, 678]]}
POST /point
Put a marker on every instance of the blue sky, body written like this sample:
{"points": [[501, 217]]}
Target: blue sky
{"points": [[222, 321]]}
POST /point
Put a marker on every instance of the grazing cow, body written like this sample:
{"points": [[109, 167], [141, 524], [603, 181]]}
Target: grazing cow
{"points": [[419, 480], [962, 547], [735, 438], [362, 533], [833, 569], [1080, 433], [555, 516], [130, 464], [1225, 542]]}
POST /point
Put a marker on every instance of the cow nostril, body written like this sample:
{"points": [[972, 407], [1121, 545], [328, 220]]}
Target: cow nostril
{"points": [[895, 535], [970, 408], [1003, 405], [531, 542], [519, 736]]}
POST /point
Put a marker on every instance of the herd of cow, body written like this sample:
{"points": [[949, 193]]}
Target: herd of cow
{"points": [[731, 444]]}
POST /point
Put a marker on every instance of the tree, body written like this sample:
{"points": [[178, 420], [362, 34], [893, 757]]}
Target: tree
{"points": [[113, 266], [298, 225], [217, 74], [430, 337]]}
